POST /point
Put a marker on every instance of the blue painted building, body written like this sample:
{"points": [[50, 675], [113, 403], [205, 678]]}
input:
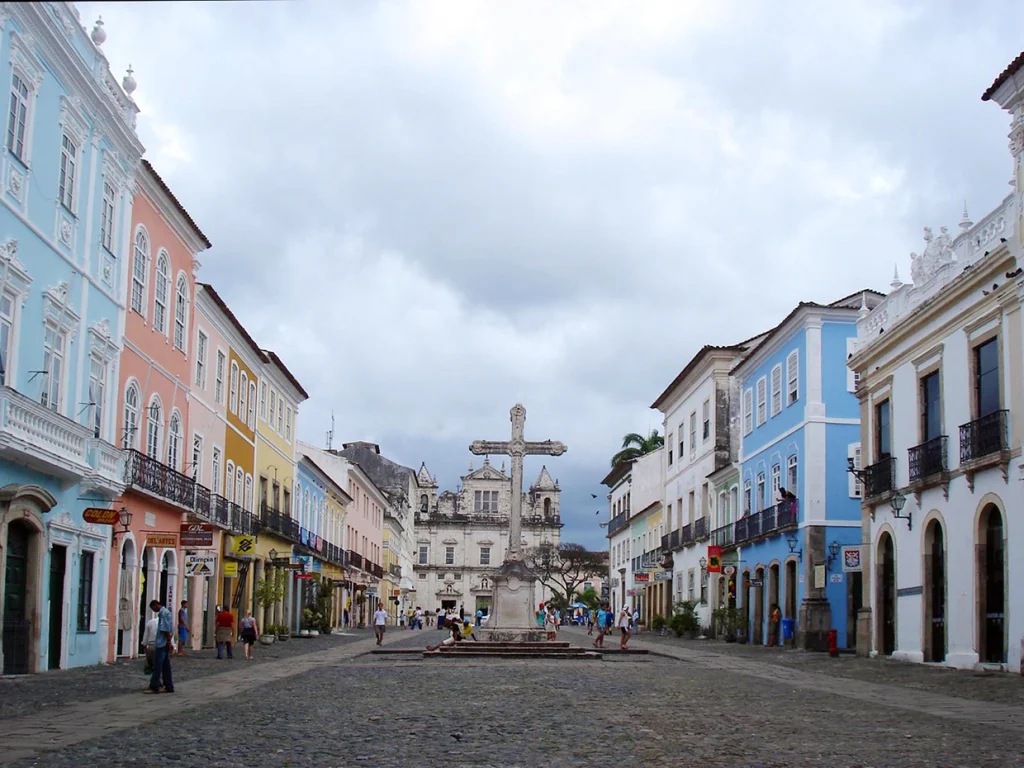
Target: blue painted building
{"points": [[66, 186], [800, 422]]}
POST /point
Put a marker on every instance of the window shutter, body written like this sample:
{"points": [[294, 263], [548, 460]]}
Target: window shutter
{"points": [[792, 377], [761, 404], [748, 411], [853, 452], [776, 390]]}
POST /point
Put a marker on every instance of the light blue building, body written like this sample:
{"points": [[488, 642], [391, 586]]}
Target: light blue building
{"points": [[800, 422], [66, 186]]}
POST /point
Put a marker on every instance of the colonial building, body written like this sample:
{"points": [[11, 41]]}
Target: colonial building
{"points": [[462, 536], [68, 167], [652, 581], [940, 365], [620, 565], [701, 439], [800, 423]]}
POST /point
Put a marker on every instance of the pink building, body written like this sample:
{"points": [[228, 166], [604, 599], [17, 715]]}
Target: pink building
{"points": [[156, 372]]}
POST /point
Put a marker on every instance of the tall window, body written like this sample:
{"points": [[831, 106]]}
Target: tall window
{"points": [[7, 304], [53, 368], [706, 418], [174, 442], [760, 492], [248, 492], [272, 421], [201, 343], [748, 411], [97, 393], [791, 478], [239, 486], [140, 268], [131, 415], [215, 469], [931, 408], [485, 555], [85, 571], [792, 377], [288, 426], [107, 217], [197, 458], [761, 401], [693, 435], [180, 313], [252, 405], [263, 400], [229, 481], [17, 118], [485, 502], [280, 416], [776, 390], [66, 180], [163, 283], [747, 497], [883, 432], [449, 555], [776, 482], [153, 430], [218, 389], [986, 378], [233, 404], [305, 508], [243, 395]]}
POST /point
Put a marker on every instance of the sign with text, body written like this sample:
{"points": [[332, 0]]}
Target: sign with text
{"points": [[243, 545], [663, 576], [161, 539], [202, 564], [196, 535], [836, 578], [851, 559], [819, 577], [230, 568], [305, 576], [641, 578], [98, 516], [714, 559]]}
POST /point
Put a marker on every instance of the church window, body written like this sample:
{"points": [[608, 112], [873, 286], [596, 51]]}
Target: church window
{"points": [[458, 576], [449, 555], [485, 502], [423, 575], [547, 507], [485, 555], [423, 554]]}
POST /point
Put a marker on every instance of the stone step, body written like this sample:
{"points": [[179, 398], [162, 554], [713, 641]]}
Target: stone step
{"points": [[473, 648], [511, 654], [515, 644]]}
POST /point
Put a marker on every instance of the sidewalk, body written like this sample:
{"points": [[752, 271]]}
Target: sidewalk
{"points": [[1001, 687]]}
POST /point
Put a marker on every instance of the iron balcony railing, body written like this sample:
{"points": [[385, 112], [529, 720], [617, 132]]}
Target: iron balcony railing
{"points": [[618, 522], [395, 570], [723, 537], [928, 458], [220, 512], [700, 529], [376, 569], [146, 473], [670, 541], [203, 506], [983, 437], [774, 519], [686, 534], [880, 477], [355, 559]]}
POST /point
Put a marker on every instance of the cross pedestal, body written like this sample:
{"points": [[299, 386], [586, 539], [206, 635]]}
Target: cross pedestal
{"points": [[513, 599]]}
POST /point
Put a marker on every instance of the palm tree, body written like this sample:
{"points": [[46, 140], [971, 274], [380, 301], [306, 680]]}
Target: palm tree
{"points": [[635, 445]]}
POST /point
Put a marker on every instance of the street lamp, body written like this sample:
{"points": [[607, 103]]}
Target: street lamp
{"points": [[897, 503], [703, 562], [833, 553], [273, 554], [124, 517], [793, 541]]}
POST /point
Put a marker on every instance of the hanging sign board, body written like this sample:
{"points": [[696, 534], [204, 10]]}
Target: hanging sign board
{"points": [[200, 564], [161, 539], [98, 516], [714, 559], [196, 535], [243, 545], [230, 568], [851, 559]]}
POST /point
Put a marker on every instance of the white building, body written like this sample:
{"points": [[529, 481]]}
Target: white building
{"points": [[461, 536], [941, 385], [652, 583], [620, 570], [700, 409]]}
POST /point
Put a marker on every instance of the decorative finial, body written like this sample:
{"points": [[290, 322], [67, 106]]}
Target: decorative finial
{"points": [[965, 222], [896, 283], [487, 461], [864, 311], [98, 35], [129, 83], [470, 465]]}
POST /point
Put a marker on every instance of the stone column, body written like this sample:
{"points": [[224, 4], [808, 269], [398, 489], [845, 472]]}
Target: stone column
{"points": [[815, 612]]}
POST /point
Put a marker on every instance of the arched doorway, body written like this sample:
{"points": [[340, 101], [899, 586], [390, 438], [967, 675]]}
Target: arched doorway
{"points": [[745, 606], [17, 632], [934, 593], [758, 634], [991, 587], [143, 580], [789, 611], [886, 579], [127, 579]]}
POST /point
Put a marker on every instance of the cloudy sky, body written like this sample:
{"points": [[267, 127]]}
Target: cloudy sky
{"points": [[434, 210]]}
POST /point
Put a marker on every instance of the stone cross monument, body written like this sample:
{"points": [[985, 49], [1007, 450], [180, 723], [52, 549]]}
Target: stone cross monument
{"points": [[512, 604]]}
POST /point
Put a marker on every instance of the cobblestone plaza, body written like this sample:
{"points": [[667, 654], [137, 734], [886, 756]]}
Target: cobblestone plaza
{"points": [[330, 702]]}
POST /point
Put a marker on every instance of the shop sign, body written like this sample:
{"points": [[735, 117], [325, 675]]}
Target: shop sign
{"points": [[714, 559], [230, 568], [161, 539], [641, 578], [851, 559], [200, 564], [304, 576], [196, 535], [730, 570], [243, 545], [663, 576], [98, 516]]}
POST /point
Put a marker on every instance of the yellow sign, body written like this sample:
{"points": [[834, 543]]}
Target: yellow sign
{"points": [[243, 545], [230, 568]]}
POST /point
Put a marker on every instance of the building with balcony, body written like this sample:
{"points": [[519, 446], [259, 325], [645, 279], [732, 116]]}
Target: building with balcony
{"points": [[650, 565], [156, 371], [800, 421], [941, 390], [698, 409], [462, 536], [67, 167], [620, 563]]}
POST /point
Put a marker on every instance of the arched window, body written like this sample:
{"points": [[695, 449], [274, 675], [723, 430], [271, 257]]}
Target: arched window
{"points": [[252, 405], [153, 425], [243, 395], [140, 268], [229, 485], [163, 283], [547, 507], [248, 492], [233, 402], [180, 313], [174, 442], [239, 486], [131, 416], [313, 517], [305, 509]]}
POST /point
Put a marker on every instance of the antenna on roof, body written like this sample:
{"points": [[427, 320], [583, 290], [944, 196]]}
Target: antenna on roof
{"points": [[330, 433]]}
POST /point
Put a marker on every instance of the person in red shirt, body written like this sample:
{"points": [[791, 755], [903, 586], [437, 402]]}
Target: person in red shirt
{"points": [[225, 634]]}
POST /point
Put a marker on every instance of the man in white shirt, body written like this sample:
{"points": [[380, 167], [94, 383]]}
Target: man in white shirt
{"points": [[379, 620], [149, 643]]}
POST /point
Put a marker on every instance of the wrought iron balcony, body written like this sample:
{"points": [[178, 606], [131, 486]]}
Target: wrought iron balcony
{"points": [[617, 523], [203, 503], [671, 541], [220, 511], [768, 521], [928, 458], [376, 570], [145, 473], [984, 437], [724, 536], [686, 535], [395, 570], [700, 529], [787, 514], [880, 477], [355, 559]]}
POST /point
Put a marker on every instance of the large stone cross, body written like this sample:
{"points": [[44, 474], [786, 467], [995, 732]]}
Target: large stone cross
{"points": [[515, 449]]}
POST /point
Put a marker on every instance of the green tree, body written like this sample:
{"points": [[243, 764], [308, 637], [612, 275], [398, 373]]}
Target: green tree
{"points": [[590, 598], [564, 568], [635, 445]]}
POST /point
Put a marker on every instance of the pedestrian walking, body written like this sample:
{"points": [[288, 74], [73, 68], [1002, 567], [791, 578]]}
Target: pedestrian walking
{"points": [[225, 631], [479, 616], [249, 630], [590, 622], [774, 617], [162, 653], [149, 644], [603, 622], [419, 617], [625, 620], [551, 623], [380, 620], [635, 619], [182, 627]]}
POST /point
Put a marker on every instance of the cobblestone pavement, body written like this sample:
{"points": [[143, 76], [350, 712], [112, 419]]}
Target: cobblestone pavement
{"points": [[1000, 687], [29, 694], [334, 708]]}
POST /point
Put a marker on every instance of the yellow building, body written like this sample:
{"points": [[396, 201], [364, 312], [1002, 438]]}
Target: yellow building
{"points": [[391, 582]]}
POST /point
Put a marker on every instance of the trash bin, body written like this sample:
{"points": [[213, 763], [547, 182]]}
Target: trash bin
{"points": [[787, 629]]}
